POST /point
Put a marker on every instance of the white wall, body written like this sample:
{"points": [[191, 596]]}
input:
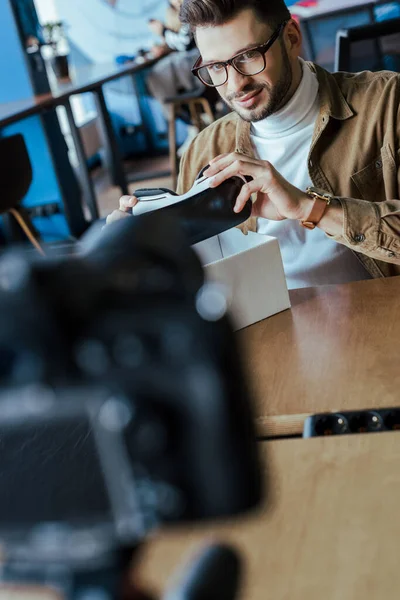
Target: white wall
{"points": [[102, 31], [47, 10]]}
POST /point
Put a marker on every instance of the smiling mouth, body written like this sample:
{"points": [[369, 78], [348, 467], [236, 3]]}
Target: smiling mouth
{"points": [[249, 98]]}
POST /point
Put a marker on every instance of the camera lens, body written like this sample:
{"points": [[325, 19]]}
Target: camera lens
{"points": [[366, 421], [335, 424], [392, 420]]}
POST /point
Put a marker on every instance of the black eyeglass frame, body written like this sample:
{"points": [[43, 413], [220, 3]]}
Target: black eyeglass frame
{"points": [[262, 49]]}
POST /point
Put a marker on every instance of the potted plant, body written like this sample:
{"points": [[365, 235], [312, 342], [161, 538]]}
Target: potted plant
{"points": [[55, 37]]}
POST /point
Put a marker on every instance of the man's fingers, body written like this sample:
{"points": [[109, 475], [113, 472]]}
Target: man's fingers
{"points": [[246, 192], [239, 167], [217, 158], [116, 215], [224, 160], [127, 202], [219, 163]]}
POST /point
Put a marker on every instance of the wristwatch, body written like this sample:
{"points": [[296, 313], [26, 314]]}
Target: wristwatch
{"points": [[322, 200]]}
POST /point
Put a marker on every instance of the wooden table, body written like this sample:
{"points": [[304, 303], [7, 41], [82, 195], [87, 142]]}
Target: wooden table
{"points": [[337, 348], [330, 530]]}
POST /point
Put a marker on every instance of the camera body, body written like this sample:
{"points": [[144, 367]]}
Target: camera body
{"points": [[124, 402]]}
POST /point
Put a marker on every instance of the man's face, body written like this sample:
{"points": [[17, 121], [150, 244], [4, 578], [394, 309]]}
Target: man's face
{"points": [[252, 97]]}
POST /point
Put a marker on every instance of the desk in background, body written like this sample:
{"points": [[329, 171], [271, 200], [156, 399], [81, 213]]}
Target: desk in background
{"points": [[92, 78], [330, 531], [85, 79], [337, 348]]}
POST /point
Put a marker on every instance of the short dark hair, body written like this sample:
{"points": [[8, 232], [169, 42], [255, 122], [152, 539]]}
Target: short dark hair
{"points": [[200, 13]]}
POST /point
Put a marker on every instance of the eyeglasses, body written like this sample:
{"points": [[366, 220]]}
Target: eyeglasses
{"points": [[251, 62]]}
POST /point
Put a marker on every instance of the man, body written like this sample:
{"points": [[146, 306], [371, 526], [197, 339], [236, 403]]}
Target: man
{"points": [[295, 126]]}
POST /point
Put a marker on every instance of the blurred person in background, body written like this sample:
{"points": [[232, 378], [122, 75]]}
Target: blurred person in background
{"points": [[172, 20], [172, 75]]}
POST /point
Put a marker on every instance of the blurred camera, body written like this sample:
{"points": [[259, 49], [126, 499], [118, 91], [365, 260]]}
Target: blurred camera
{"points": [[124, 404]]}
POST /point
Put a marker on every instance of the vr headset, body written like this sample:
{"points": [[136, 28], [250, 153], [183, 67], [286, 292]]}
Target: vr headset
{"points": [[203, 211]]}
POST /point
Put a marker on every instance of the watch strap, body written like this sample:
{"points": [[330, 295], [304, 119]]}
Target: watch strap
{"points": [[320, 204]]}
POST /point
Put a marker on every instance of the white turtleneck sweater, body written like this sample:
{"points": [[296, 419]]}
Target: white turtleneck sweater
{"points": [[309, 257]]}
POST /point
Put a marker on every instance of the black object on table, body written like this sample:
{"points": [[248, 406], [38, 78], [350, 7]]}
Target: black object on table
{"points": [[203, 213], [348, 422]]}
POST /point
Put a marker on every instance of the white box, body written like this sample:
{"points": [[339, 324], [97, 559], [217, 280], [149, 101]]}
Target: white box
{"points": [[250, 267]]}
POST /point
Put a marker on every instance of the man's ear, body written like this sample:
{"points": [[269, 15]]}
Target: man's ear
{"points": [[293, 38]]}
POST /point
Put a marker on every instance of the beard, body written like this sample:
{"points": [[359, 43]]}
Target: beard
{"points": [[277, 94]]}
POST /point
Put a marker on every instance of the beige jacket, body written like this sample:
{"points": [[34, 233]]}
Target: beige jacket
{"points": [[354, 155]]}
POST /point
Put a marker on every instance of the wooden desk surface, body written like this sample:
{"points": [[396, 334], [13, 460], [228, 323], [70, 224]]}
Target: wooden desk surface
{"points": [[332, 531], [337, 348]]}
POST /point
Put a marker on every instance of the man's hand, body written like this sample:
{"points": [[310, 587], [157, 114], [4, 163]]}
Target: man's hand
{"points": [[125, 204], [156, 27], [276, 199]]}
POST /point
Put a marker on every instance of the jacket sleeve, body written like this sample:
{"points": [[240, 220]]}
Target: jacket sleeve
{"points": [[372, 228], [187, 172]]}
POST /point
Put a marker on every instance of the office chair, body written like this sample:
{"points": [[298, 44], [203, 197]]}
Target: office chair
{"points": [[17, 169], [374, 47]]}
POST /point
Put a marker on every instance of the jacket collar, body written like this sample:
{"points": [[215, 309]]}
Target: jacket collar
{"points": [[332, 104], [332, 101]]}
